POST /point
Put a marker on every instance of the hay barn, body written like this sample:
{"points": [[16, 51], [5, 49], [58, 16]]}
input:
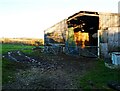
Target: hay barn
{"points": [[93, 34]]}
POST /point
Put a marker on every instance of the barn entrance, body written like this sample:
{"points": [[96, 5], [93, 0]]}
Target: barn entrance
{"points": [[85, 33]]}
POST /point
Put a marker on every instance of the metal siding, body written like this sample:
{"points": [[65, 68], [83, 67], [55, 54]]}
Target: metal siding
{"points": [[56, 33], [109, 24], [107, 20]]}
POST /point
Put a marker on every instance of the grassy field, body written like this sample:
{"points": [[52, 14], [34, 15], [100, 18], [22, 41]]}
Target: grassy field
{"points": [[11, 47], [99, 76], [10, 67]]}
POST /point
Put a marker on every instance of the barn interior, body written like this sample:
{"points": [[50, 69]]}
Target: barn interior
{"points": [[85, 25]]}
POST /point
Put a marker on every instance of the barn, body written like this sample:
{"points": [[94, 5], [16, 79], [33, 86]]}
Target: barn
{"points": [[86, 33]]}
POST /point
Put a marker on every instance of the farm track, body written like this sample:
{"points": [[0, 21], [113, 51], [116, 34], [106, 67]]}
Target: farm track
{"points": [[59, 72]]}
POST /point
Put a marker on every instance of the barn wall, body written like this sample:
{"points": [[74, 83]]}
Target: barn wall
{"points": [[107, 20], [109, 26], [56, 33]]}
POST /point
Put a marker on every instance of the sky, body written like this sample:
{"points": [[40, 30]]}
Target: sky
{"points": [[29, 18]]}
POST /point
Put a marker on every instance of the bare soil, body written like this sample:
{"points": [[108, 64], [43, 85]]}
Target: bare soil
{"points": [[48, 71]]}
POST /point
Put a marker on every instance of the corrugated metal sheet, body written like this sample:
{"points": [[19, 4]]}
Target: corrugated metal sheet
{"points": [[107, 20], [109, 24], [56, 33]]}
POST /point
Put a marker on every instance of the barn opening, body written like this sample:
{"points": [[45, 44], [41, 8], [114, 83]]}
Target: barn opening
{"points": [[85, 30]]}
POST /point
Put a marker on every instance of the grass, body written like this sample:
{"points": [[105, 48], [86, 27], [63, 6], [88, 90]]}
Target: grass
{"points": [[8, 70], [99, 76], [9, 67], [11, 47]]}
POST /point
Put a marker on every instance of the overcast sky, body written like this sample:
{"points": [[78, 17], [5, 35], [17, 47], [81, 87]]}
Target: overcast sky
{"points": [[29, 18]]}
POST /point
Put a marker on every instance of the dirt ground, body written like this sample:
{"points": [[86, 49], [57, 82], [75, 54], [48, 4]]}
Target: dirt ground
{"points": [[48, 71]]}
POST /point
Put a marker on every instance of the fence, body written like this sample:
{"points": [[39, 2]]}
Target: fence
{"points": [[88, 51]]}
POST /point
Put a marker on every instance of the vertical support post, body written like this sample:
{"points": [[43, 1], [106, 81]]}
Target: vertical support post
{"points": [[98, 43], [44, 38]]}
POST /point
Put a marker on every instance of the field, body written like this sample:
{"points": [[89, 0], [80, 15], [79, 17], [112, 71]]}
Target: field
{"points": [[11, 47], [9, 67], [99, 76], [36, 70]]}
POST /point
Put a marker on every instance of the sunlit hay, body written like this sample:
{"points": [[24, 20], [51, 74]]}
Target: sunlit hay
{"points": [[81, 38]]}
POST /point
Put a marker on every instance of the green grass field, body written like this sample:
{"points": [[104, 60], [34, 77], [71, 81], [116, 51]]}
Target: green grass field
{"points": [[11, 47], [99, 76]]}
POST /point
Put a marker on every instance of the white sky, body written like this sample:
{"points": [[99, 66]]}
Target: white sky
{"points": [[29, 18]]}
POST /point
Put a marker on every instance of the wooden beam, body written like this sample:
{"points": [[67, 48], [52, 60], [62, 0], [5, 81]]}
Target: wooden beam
{"points": [[81, 14]]}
